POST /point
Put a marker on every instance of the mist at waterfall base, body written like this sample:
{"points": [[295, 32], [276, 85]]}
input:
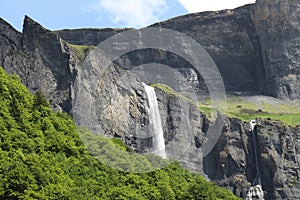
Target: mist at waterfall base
{"points": [[155, 128], [255, 192]]}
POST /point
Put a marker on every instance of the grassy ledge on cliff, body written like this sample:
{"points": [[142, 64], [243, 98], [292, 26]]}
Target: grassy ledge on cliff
{"points": [[247, 108], [42, 157]]}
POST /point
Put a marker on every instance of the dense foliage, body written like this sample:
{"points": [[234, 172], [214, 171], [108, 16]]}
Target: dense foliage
{"points": [[43, 157]]}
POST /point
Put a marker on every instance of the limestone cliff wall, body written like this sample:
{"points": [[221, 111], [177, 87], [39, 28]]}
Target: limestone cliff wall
{"points": [[231, 163]]}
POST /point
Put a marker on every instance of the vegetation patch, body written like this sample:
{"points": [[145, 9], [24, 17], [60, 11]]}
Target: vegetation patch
{"points": [[81, 51], [168, 90]]}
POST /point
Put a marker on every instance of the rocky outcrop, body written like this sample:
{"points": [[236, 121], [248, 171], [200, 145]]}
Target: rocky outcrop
{"points": [[255, 48], [109, 101], [232, 162], [182, 125], [279, 159], [277, 24], [43, 61]]}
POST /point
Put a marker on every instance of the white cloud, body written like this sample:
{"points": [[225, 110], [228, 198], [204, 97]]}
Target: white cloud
{"points": [[208, 5], [133, 13]]}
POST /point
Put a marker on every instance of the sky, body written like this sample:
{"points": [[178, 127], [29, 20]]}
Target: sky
{"points": [[62, 14]]}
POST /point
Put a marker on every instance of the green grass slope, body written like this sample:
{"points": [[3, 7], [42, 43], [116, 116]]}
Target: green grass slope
{"points": [[241, 108], [43, 157]]}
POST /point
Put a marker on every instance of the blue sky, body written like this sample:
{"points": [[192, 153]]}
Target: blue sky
{"points": [[60, 14]]}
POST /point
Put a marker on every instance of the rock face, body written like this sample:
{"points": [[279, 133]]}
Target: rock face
{"points": [[256, 50], [183, 126], [277, 24]]}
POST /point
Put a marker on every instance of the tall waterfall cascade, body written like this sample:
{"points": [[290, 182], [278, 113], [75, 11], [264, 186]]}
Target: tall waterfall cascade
{"points": [[255, 192], [155, 123]]}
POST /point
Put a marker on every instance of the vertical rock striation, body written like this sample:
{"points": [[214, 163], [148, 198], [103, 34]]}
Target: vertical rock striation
{"points": [[277, 23]]}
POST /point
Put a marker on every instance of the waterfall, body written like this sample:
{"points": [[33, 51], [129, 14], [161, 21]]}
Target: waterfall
{"points": [[155, 124], [255, 192], [257, 180]]}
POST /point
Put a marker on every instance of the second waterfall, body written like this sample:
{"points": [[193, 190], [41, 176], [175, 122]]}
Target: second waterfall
{"points": [[255, 192], [155, 125]]}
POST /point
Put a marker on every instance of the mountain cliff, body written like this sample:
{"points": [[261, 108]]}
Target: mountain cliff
{"points": [[255, 48]]}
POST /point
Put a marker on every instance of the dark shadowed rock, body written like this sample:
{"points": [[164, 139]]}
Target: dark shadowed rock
{"points": [[278, 26]]}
